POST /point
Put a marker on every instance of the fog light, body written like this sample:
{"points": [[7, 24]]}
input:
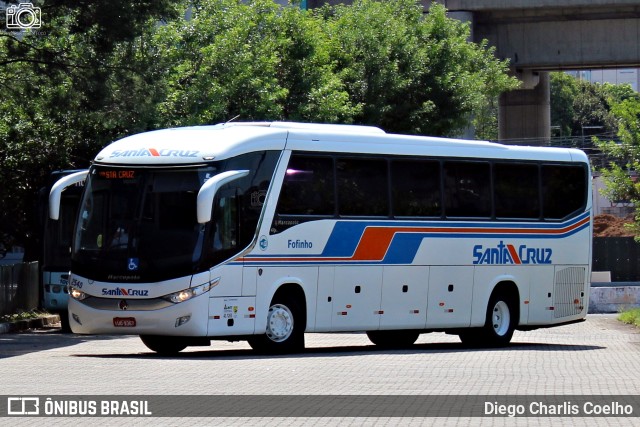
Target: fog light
{"points": [[182, 320], [76, 318], [54, 302]]}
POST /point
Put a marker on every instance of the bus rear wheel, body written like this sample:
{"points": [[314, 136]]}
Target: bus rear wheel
{"points": [[393, 339], [499, 324], [285, 328], [164, 345]]}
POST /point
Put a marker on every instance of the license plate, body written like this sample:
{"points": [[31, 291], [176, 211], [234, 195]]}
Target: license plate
{"points": [[124, 322]]}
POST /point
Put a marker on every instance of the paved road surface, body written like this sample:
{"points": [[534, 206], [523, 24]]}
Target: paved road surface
{"points": [[596, 357]]}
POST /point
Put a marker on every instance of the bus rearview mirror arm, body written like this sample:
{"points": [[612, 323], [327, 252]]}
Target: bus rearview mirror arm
{"points": [[56, 191], [204, 203]]}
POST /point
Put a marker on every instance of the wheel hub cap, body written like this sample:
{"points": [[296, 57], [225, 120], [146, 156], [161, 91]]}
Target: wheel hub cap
{"points": [[501, 318], [279, 323]]}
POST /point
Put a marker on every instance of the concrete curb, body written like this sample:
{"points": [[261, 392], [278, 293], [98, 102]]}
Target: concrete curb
{"points": [[24, 325]]}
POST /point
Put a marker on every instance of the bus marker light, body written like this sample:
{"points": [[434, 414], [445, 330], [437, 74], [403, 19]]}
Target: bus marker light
{"points": [[182, 320], [348, 305], [441, 304], [76, 318]]}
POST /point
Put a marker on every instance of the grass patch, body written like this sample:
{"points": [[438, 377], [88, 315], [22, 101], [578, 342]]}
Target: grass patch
{"points": [[631, 317], [23, 315]]}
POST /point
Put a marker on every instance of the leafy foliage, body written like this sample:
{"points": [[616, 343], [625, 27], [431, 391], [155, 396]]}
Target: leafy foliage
{"points": [[578, 104], [69, 88], [412, 73], [621, 184], [97, 71]]}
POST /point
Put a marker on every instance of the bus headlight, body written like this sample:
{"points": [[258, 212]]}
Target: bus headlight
{"points": [[77, 294], [187, 294]]}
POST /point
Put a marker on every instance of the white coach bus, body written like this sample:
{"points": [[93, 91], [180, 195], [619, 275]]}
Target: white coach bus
{"points": [[265, 231]]}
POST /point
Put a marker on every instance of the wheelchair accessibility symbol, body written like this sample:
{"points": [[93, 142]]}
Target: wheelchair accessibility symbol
{"points": [[133, 264]]}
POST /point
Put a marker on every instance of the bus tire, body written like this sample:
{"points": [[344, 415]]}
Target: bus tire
{"points": [[285, 328], [393, 339], [499, 324], [501, 319], [65, 325], [164, 345]]}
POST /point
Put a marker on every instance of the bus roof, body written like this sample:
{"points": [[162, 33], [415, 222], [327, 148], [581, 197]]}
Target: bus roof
{"points": [[198, 144]]}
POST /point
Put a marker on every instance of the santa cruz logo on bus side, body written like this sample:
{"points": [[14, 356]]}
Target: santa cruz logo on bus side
{"points": [[152, 152], [508, 254]]}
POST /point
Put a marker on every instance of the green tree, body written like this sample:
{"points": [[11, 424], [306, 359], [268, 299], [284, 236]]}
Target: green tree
{"points": [[625, 155], [254, 60], [564, 89], [410, 72], [76, 83], [100, 70], [577, 105]]}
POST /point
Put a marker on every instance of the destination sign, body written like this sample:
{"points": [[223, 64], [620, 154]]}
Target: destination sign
{"points": [[117, 174]]}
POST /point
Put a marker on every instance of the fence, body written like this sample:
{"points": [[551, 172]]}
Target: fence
{"points": [[619, 255], [19, 288]]}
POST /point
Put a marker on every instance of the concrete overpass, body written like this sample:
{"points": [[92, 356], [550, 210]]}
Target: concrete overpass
{"points": [[538, 36]]}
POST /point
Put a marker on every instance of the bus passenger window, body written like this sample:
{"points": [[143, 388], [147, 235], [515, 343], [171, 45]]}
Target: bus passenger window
{"points": [[564, 189], [516, 191], [362, 187], [415, 188], [307, 192], [308, 187], [467, 189]]}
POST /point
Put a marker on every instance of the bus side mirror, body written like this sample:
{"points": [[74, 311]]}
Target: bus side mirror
{"points": [[57, 189], [208, 191]]}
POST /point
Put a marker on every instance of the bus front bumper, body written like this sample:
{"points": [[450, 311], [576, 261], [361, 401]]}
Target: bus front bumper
{"points": [[187, 318]]}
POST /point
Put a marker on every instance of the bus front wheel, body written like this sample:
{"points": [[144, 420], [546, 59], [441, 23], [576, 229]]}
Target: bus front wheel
{"points": [[164, 345], [285, 328]]}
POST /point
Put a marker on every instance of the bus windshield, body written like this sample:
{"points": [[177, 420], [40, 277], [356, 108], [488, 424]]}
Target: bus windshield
{"points": [[139, 224]]}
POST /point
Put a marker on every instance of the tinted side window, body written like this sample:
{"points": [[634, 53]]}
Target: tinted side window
{"points": [[362, 187], [416, 188], [564, 190], [308, 187], [467, 187], [516, 191]]}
